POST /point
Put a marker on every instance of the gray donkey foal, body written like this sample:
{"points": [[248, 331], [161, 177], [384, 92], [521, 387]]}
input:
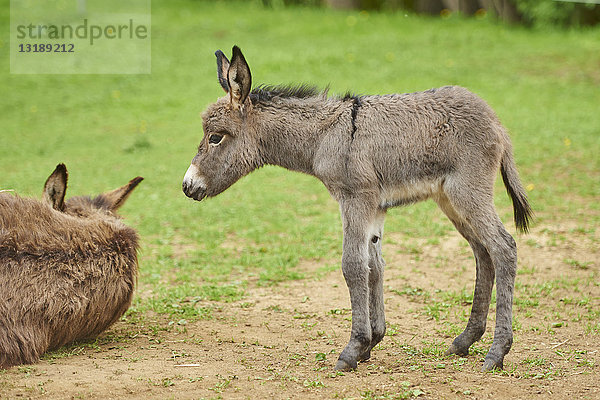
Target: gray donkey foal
{"points": [[372, 153]]}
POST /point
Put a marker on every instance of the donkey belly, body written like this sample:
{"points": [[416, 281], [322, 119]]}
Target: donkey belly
{"points": [[407, 193]]}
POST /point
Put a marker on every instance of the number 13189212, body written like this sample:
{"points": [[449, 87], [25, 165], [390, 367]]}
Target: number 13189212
{"points": [[47, 48]]}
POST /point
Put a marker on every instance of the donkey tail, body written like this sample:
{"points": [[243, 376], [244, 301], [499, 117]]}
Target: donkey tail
{"points": [[522, 210]]}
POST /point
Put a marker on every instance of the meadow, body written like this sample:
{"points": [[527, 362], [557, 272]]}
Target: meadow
{"points": [[248, 283]]}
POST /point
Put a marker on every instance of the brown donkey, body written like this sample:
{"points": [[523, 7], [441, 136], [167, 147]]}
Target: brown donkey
{"points": [[67, 268], [372, 153]]}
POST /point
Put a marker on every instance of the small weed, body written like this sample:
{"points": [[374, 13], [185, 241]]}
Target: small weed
{"points": [[313, 384], [415, 294], [578, 264], [532, 243], [69, 351], [405, 392], [526, 270], [538, 361], [223, 383], [303, 315], [436, 310], [340, 311], [391, 329], [26, 369], [275, 308], [165, 382], [306, 325], [592, 328]]}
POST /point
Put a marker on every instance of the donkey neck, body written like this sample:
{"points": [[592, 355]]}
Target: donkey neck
{"points": [[292, 130]]}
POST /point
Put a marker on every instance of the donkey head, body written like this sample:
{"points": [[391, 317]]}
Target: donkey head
{"points": [[229, 148], [82, 206]]}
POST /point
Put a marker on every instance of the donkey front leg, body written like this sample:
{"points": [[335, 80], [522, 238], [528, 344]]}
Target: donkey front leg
{"points": [[355, 266], [376, 267]]}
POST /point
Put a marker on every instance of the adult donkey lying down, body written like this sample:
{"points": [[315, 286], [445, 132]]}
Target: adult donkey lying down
{"points": [[373, 153], [67, 268]]}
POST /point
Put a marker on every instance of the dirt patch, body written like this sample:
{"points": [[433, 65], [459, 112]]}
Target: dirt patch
{"points": [[282, 341]]}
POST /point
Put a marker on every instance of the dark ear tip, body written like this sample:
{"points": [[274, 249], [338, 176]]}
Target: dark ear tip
{"points": [[61, 169], [134, 182], [236, 49], [219, 53]]}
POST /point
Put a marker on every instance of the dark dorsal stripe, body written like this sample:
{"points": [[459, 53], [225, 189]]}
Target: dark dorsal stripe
{"points": [[355, 105]]}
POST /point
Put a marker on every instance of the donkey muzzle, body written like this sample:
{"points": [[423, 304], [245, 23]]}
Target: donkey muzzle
{"points": [[194, 184]]}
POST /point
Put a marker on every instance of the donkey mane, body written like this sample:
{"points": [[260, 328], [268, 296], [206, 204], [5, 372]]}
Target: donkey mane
{"points": [[266, 93]]}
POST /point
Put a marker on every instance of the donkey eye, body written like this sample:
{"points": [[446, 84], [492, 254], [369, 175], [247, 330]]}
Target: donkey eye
{"points": [[215, 138]]}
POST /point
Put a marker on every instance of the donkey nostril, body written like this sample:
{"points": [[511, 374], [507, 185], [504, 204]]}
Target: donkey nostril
{"points": [[187, 188]]}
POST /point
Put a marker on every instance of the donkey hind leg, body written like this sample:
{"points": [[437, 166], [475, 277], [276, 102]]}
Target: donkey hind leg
{"points": [[357, 219], [376, 267], [483, 284], [476, 208]]}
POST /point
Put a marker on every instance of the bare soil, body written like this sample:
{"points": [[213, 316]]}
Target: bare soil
{"points": [[282, 341]]}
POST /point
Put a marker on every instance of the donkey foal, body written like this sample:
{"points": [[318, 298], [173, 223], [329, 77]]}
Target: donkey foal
{"points": [[67, 268], [373, 153]]}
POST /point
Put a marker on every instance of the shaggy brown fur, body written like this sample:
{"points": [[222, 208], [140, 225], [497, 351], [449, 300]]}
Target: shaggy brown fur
{"points": [[67, 269]]}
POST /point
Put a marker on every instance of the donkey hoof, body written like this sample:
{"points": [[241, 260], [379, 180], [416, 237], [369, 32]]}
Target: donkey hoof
{"points": [[343, 365], [459, 351], [490, 365], [366, 356]]}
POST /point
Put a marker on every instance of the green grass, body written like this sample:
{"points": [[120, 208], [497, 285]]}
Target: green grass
{"points": [[544, 85]]}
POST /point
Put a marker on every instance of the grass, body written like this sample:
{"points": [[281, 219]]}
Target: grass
{"points": [[544, 85]]}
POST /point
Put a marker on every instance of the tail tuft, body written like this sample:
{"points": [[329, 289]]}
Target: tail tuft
{"points": [[522, 210]]}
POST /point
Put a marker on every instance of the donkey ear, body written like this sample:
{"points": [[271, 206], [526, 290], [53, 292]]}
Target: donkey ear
{"points": [[56, 187], [117, 197], [222, 68], [239, 78]]}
